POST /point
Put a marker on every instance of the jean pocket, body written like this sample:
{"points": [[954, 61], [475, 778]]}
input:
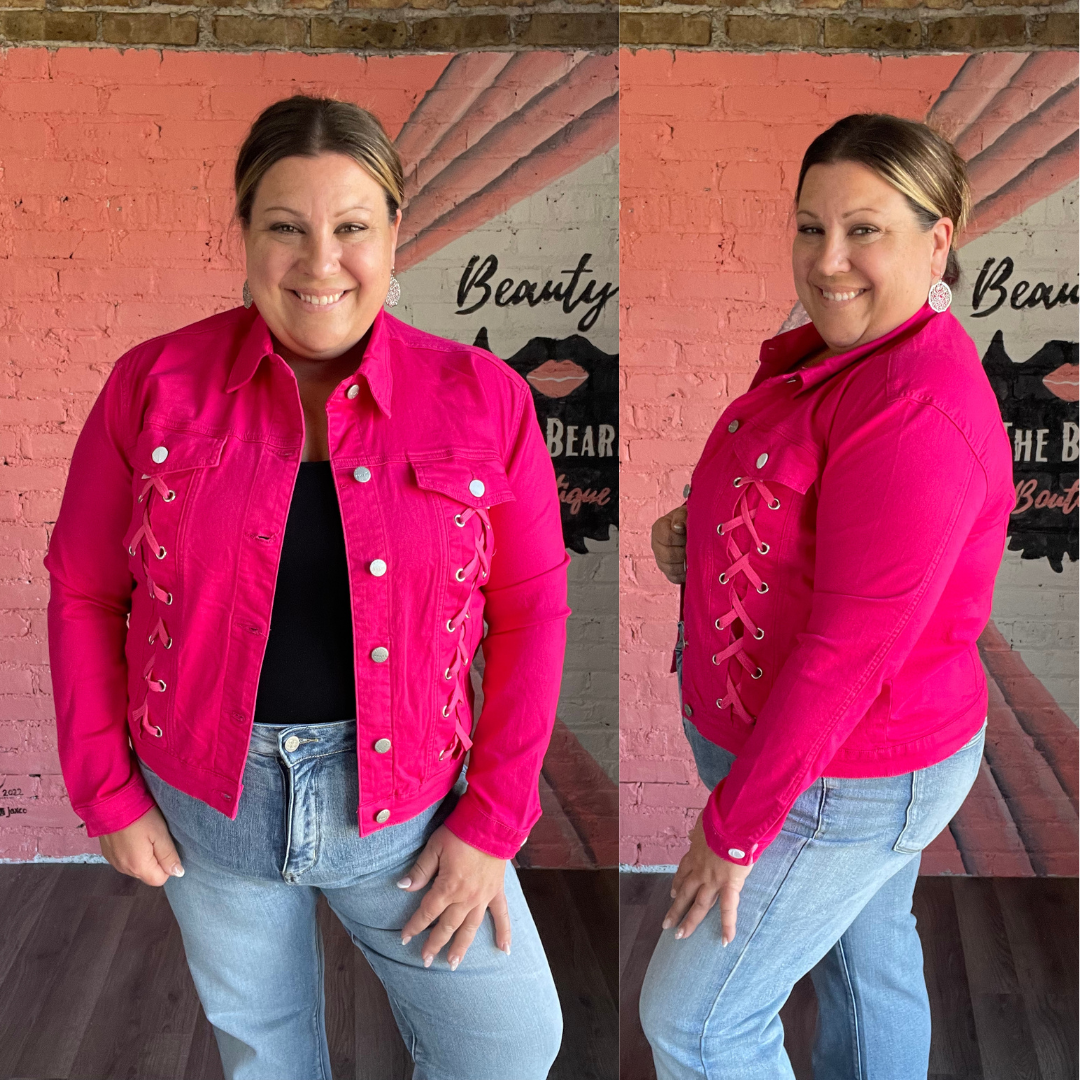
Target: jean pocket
{"points": [[937, 792]]}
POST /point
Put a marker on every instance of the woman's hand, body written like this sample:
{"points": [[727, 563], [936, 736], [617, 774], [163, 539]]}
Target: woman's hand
{"points": [[701, 878], [669, 545], [467, 882], [143, 850]]}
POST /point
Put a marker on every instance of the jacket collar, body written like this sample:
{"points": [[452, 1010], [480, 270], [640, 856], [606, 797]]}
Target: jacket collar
{"points": [[256, 345], [781, 353]]}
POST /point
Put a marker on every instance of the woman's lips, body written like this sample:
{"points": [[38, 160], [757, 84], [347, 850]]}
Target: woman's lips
{"points": [[840, 296], [557, 378], [319, 301], [1064, 383]]}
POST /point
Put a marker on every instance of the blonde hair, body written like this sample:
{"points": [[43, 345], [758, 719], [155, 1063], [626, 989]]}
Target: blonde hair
{"points": [[921, 164], [303, 126]]}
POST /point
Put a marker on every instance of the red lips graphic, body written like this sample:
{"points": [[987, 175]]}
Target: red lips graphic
{"points": [[1063, 382], [557, 378]]}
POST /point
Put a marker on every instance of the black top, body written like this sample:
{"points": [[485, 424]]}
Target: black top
{"points": [[307, 674]]}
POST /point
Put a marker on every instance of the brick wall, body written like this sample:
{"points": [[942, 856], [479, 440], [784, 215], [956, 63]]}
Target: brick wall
{"points": [[711, 144], [881, 26], [312, 25]]}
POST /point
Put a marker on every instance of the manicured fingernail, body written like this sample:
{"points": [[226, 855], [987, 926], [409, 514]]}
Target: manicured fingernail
{"points": [[505, 948], [724, 942], [177, 871], [679, 934], [427, 961], [406, 939], [672, 894], [454, 961], [666, 924], [404, 883]]}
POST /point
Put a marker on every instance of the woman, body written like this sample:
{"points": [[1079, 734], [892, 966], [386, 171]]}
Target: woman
{"points": [[282, 533], [838, 546]]}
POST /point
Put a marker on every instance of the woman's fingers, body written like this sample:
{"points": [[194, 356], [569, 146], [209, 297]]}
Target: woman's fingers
{"points": [[464, 936], [683, 898], [703, 901], [144, 850], [443, 931], [669, 544], [431, 908], [500, 916], [421, 871], [729, 905]]}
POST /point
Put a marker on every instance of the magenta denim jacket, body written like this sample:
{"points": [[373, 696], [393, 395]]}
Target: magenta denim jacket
{"points": [[845, 525], [164, 562]]}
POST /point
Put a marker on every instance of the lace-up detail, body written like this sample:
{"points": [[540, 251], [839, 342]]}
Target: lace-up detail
{"points": [[144, 537], [735, 651], [474, 571]]}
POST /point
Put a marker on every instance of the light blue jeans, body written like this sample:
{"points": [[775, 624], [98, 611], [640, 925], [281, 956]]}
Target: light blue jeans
{"points": [[831, 895], [246, 909]]}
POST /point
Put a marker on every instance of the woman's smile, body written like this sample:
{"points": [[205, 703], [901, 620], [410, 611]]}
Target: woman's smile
{"points": [[316, 301], [840, 296]]}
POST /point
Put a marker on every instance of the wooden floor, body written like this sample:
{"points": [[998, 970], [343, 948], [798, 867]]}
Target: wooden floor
{"points": [[1001, 970], [94, 986]]}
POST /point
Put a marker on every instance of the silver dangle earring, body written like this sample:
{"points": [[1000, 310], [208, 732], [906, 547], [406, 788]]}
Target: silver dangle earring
{"points": [[393, 294], [247, 296], [940, 296]]}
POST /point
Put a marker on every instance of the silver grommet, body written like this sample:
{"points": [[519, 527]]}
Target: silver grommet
{"points": [[460, 575], [458, 522], [168, 644], [737, 481], [763, 548], [774, 505], [717, 625], [759, 634], [161, 553], [131, 551], [158, 732], [446, 710], [168, 599], [161, 685], [723, 579], [757, 674], [450, 625], [719, 702], [447, 675], [714, 659], [168, 496], [763, 588], [139, 499], [720, 529]]}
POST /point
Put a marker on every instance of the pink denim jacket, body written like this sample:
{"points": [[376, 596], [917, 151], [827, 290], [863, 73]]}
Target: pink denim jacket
{"points": [[844, 528], [164, 563]]}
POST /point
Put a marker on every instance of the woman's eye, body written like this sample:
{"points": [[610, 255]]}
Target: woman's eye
{"points": [[284, 227], [810, 230], [863, 230]]}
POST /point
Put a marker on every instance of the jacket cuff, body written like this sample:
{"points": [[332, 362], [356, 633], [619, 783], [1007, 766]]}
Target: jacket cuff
{"points": [[469, 823], [732, 849], [117, 811]]}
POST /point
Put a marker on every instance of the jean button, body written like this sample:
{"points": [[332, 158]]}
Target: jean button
{"points": [[291, 743]]}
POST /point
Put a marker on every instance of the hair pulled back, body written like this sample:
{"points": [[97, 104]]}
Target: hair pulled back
{"points": [[921, 164], [303, 126]]}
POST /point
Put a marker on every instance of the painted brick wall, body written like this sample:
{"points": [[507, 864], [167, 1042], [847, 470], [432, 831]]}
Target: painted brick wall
{"points": [[710, 144], [115, 225]]}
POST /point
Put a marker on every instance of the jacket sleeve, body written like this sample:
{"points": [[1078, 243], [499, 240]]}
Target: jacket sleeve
{"points": [[899, 494], [525, 610], [89, 602]]}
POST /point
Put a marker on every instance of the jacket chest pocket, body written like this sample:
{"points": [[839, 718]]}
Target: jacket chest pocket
{"points": [[167, 469], [460, 492]]}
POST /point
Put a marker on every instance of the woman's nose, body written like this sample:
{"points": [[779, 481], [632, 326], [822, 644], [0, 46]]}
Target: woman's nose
{"points": [[834, 257], [321, 255]]}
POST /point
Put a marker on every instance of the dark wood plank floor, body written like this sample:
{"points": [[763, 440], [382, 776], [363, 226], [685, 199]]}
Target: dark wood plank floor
{"points": [[94, 985], [1001, 971]]}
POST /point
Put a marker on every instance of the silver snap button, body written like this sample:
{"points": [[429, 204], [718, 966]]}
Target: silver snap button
{"points": [[791, 380], [686, 492], [352, 392], [377, 567], [382, 815], [476, 488], [736, 853], [733, 426], [361, 474], [762, 458], [380, 655], [159, 454], [291, 743], [687, 710], [382, 745]]}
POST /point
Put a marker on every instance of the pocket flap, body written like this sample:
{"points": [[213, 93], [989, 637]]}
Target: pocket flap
{"points": [[160, 450], [476, 483], [771, 458]]}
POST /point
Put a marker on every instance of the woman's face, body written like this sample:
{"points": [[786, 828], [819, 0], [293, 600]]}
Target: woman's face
{"points": [[320, 249], [862, 261]]}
